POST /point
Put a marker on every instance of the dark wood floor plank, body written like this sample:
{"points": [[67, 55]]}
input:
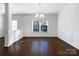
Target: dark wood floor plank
{"points": [[39, 46]]}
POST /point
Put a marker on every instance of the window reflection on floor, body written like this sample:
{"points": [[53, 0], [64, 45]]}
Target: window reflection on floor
{"points": [[40, 47]]}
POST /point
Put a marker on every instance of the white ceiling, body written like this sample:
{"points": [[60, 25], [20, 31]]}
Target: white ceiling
{"points": [[31, 8]]}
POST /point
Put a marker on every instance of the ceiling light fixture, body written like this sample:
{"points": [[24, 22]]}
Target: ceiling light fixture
{"points": [[40, 14]]}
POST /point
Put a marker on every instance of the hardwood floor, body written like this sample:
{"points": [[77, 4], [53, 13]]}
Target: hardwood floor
{"points": [[39, 46], [1, 42]]}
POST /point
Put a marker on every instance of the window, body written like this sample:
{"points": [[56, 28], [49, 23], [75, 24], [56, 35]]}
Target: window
{"points": [[39, 26]]}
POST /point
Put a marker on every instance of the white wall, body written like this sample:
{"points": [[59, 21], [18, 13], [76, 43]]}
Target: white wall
{"points": [[1, 25], [25, 22], [2, 10], [68, 24]]}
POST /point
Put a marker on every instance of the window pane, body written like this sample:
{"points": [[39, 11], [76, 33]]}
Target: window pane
{"points": [[36, 26], [44, 28], [43, 25]]}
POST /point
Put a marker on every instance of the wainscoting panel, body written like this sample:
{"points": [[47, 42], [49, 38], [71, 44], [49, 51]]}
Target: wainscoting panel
{"points": [[70, 38]]}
